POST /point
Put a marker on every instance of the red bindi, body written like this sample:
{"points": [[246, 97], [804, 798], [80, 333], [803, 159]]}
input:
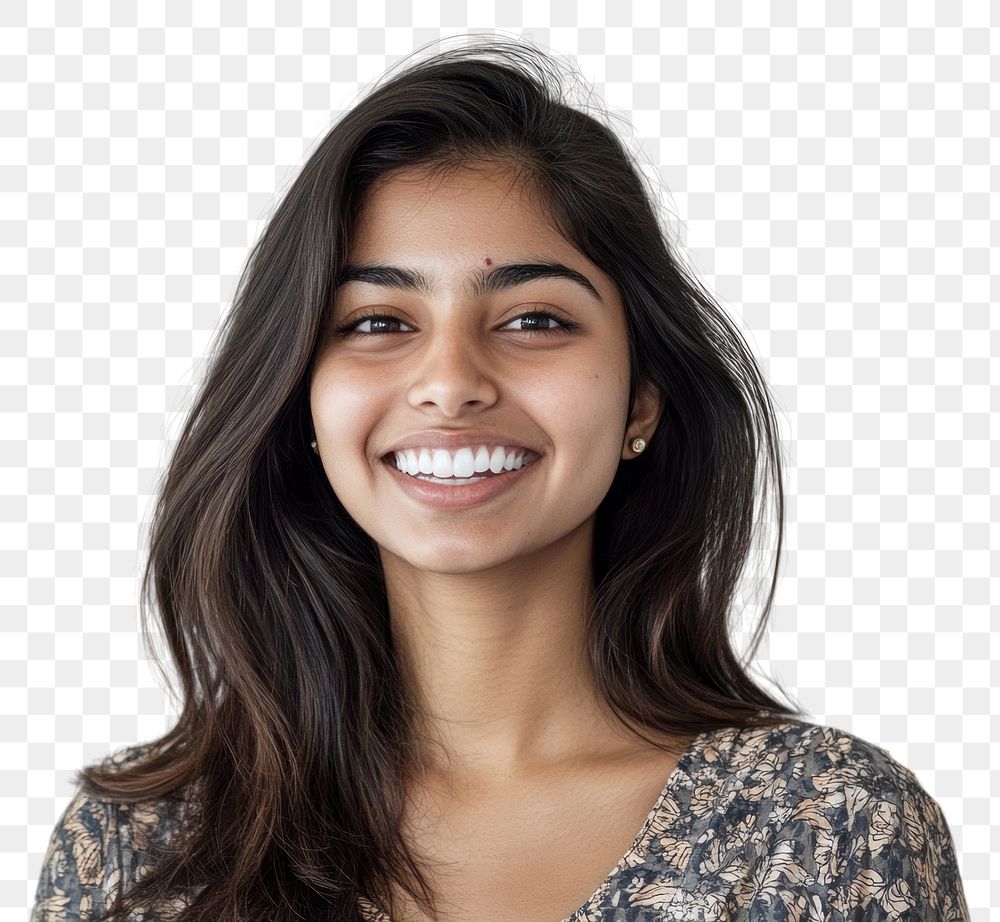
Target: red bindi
{"points": [[488, 261]]}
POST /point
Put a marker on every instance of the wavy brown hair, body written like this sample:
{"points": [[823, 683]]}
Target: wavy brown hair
{"points": [[290, 751]]}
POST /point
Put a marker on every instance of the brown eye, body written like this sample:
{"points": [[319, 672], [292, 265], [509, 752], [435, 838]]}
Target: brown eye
{"points": [[565, 326], [350, 329]]}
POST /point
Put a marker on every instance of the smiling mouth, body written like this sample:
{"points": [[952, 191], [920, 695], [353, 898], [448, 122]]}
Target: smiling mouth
{"points": [[530, 457]]}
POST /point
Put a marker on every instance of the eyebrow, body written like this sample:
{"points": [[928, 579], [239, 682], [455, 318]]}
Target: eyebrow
{"points": [[500, 278]]}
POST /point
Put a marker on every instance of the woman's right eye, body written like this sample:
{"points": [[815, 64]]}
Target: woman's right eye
{"points": [[350, 328]]}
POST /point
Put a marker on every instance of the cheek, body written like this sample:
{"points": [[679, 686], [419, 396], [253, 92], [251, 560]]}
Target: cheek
{"points": [[344, 408], [583, 416], [585, 394]]}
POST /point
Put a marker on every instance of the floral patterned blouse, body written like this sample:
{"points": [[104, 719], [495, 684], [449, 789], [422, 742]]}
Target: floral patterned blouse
{"points": [[799, 822]]}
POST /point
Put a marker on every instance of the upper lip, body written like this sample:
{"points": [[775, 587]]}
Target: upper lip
{"points": [[454, 440]]}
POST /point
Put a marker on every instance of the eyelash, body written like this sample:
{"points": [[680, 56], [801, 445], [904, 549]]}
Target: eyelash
{"points": [[568, 326]]}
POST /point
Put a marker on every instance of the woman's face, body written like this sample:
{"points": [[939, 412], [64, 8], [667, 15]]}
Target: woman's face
{"points": [[455, 358]]}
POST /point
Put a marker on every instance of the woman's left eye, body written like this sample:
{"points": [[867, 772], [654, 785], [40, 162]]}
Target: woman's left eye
{"points": [[351, 327], [565, 325]]}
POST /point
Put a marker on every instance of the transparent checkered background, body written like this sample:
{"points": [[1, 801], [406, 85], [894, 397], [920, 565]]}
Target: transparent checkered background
{"points": [[826, 169]]}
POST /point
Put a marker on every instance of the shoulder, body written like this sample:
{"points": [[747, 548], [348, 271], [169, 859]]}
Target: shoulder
{"points": [[89, 853], [800, 769], [845, 754], [797, 755], [842, 818]]}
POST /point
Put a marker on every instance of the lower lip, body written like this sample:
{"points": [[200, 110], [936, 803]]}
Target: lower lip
{"points": [[458, 497]]}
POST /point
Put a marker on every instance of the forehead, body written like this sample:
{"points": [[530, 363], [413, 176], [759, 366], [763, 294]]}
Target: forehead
{"points": [[478, 223], [481, 205]]}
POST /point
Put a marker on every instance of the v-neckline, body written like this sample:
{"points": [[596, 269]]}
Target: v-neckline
{"points": [[639, 843]]}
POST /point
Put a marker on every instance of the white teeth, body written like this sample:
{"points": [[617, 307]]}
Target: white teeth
{"points": [[498, 460], [440, 464], [462, 464], [450, 481]]}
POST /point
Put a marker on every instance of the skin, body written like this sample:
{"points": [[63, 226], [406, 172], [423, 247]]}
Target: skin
{"points": [[486, 603]]}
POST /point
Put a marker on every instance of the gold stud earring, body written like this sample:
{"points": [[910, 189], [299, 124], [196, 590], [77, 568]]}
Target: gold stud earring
{"points": [[638, 445]]}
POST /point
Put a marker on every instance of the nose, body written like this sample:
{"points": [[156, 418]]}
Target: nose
{"points": [[452, 372]]}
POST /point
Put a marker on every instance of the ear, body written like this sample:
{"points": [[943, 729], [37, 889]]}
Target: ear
{"points": [[646, 413]]}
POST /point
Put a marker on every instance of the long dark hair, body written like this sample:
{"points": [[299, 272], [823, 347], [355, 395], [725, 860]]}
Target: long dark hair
{"points": [[291, 747]]}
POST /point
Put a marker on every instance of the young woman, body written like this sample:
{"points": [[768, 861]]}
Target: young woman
{"points": [[445, 557]]}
